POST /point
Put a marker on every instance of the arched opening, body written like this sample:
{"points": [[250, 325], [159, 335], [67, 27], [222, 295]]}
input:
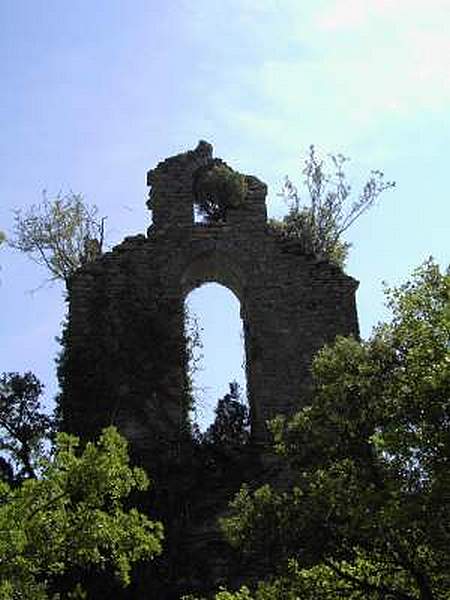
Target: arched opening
{"points": [[215, 329]]}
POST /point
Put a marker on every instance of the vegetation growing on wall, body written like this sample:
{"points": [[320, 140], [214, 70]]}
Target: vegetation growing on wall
{"points": [[364, 508], [59, 234], [217, 189], [319, 223]]}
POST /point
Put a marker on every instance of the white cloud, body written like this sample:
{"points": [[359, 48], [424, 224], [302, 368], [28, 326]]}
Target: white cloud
{"points": [[351, 14], [333, 72], [368, 60], [345, 14]]}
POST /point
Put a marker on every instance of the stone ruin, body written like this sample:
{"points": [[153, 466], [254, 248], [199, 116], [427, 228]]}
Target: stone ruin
{"points": [[126, 356], [291, 305]]}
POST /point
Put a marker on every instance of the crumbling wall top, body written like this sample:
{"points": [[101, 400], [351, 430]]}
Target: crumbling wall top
{"points": [[201, 155], [173, 192]]}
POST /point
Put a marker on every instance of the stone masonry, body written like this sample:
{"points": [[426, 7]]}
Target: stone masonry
{"points": [[120, 371]]}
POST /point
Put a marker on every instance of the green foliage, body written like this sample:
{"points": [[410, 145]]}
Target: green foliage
{"points": [[321, 582], [73, 517], [369, 507], [194, 356], [217, 189], [242, 594], [299, 225], [23, 427], [319, 224], [59, 234]]}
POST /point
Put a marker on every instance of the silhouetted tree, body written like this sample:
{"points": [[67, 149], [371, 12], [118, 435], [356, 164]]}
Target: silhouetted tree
{"points": [[231, 425], [24, 427]]}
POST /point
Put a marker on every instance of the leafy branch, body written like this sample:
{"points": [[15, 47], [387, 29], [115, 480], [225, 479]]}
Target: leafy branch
{"points": [[320, 223], [59, 234]]}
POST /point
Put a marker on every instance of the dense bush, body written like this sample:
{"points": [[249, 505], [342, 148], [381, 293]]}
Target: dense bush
{"points": [[218, 189]]}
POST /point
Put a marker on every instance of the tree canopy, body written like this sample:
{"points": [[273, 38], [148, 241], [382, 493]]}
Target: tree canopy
{"points": [[368, 512], [231, 426], [73, 517], [24, 427]]}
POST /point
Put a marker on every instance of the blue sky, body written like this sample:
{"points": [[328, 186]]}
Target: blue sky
{"points": [[93, 94]]}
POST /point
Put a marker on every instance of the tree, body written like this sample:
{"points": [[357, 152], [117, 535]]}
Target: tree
{"points": [[59, 234], [320, 224], [73, 517], [230, 427], [23, 426], [368, 512]]}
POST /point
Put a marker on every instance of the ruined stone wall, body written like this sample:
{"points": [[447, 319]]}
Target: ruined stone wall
{"points": [[127, 356]]}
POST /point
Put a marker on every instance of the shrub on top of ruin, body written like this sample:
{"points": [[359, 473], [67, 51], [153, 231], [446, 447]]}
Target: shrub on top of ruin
{"points": [[60, 234], [319, 224], [217, 189]]}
